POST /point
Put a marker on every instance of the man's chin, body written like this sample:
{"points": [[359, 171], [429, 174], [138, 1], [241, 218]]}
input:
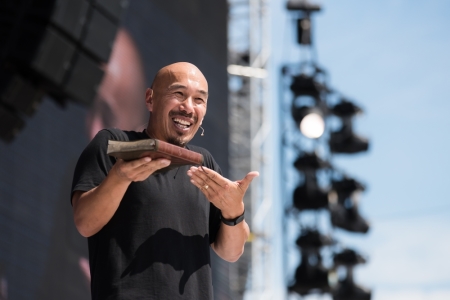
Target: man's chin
{"points": [[178, 141]]}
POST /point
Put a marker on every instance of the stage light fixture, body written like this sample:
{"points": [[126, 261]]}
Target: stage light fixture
{"points": [[346, 108], [306, 85], [345, 140], [346, 187], [348, 218], [310, 161], [304, 31], [348, 257], [303, 5], [343, 206], [348, 290], [309, 195], [310, 121], [311, 276], [312, 240]]}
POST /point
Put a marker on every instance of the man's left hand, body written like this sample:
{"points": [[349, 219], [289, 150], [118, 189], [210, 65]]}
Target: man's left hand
{"points": [[226, 195]]}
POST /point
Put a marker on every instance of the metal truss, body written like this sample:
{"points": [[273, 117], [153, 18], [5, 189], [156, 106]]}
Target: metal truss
{"points": [[249, 126]]}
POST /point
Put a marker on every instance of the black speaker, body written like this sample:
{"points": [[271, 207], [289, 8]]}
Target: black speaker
{"points": [[53, 47]]}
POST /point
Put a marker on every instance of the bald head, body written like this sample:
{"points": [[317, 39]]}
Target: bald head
{"points": [[174, 72]]}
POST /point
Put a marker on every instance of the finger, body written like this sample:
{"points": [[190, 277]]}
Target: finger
{"points": [[245, 182], [206, 189], [144, 171], [201, 181], [136, 163], [209, 176], [155, 165]]}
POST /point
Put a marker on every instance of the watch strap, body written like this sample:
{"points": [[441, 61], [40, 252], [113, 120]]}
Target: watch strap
{"points": [[232, 222]]}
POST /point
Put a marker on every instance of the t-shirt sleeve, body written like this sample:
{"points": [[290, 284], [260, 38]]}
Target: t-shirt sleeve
{"points": [[93, 164]]}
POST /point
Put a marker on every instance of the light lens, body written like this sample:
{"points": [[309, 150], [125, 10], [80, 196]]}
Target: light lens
{"points": [[312, 126]]}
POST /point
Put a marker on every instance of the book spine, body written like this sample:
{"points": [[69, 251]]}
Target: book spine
{"points": [[179, 152]]}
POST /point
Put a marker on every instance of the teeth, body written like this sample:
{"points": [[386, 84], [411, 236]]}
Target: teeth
{"points": [[182, 122]]}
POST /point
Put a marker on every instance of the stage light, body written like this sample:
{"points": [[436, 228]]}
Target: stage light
{"points": [[306, 85], [310, 161], [303, 5], [348, 218], [310, 121], [311, 239], [304, 31], [346, 187], [311, 276], [345, 140], [348, 257], [346, 108], [348, 290], [309, 195], [343, 206]]}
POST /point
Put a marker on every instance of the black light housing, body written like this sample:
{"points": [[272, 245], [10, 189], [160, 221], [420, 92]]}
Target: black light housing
{"points": [[344, 211], [345, 140], [306, 85], [310, 161], [309, 195], [346, 109], [312, 240], [346, 187], [348, 218], [348, 290], [303, 5], [348, 257], [311, 277]]}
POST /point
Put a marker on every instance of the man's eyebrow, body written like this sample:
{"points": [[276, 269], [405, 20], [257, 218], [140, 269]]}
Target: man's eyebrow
{"points": [[180, 86], [176, 86], [204, 93]]}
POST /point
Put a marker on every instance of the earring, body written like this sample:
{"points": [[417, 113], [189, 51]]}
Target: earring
{"points": [[203, 131]]}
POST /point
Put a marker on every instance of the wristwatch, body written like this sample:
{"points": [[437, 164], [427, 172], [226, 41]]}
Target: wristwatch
{"points": [[232, 222]]}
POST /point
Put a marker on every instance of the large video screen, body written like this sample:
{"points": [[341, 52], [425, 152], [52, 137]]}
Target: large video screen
{"points": [[42, 256]]}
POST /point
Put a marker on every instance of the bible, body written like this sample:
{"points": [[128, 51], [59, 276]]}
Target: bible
{"points": [[154, 148]]}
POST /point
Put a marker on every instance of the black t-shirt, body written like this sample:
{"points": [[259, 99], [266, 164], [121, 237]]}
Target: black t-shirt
{"points": [[156, 246]]}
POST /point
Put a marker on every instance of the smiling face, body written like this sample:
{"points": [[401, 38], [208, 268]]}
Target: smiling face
{"points": [[177, 103]]}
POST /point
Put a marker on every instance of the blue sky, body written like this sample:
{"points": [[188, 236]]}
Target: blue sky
{"points": [[392, 58]]}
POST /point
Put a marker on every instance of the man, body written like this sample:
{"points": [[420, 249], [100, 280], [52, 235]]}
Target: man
{"points": [[149, 233]]}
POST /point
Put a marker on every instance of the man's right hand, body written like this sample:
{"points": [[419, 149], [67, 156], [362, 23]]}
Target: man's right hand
{"points": [[139, 169], [93, 209]]}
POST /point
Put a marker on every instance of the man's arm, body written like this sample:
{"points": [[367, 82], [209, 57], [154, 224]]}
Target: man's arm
{"points": [[230, 241], [227, 196], [93, 209]]}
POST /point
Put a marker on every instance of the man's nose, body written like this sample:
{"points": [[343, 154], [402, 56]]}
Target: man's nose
{"points": [[187, 105]]}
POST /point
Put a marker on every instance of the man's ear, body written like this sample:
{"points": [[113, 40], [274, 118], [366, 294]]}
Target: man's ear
{"points": [[149, 99], [201, 122]]}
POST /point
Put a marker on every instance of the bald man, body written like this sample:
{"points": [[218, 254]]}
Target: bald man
{"points": [[149, 234]]}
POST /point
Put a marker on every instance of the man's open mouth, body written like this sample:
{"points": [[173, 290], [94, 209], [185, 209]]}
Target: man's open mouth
{"points": [[182, 124]]}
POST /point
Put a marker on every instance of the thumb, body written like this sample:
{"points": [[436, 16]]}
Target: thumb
{"points": [[245, 182]]}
